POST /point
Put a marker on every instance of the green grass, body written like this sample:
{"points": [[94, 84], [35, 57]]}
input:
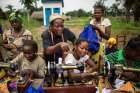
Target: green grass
{"points": [[118, 26], [76, 24], [77, 21], [31, 24], [121, 27]]}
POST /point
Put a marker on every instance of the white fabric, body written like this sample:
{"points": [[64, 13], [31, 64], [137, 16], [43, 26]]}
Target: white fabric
{"points": [[105, 90], [105, 22], [70, 59], [119, 83], [84, 59]]}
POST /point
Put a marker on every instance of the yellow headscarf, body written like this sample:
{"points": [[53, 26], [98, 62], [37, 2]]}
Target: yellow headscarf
{"points": [[112, 41]]}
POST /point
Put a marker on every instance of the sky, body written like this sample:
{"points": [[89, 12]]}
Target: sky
{"points": [[83, 4], [69, 5]]}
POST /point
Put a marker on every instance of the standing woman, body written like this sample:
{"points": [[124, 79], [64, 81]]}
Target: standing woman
{"points": [[103, 30], [101, 24], [14, 37]]}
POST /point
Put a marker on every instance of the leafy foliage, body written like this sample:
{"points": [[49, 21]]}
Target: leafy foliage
{"points": [[28, 4], [132, 6], [78, 13], [10, 8]]}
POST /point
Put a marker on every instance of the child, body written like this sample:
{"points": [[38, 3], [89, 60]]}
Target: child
{"points": [[79, 55], [29, 62]]}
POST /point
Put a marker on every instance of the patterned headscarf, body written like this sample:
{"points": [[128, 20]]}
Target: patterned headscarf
{"points": [[15, 16]]}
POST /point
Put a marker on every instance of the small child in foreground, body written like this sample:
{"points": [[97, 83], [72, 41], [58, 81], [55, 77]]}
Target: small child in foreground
{"points": [[30, 63]]}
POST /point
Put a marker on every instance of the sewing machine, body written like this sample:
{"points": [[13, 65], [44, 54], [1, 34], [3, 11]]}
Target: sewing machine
{"points": [[53, 69], [65, 88]]}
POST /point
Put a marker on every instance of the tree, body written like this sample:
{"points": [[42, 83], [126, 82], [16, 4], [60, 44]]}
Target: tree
{"points": [[114, 10], [131, 6], [28, 4], [136, 11], [78, 13], [10, 8]]}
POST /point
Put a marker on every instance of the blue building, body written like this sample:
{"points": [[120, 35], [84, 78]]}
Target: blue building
{"points": [[50, 7]]}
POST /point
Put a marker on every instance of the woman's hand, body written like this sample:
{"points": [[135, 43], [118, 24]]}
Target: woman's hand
{"points": [[64, 46], [96, 27], [89, 75]]}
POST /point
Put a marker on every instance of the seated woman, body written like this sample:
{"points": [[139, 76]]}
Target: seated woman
{"points": [[13, 38], [79, 56], [128, 57], [29, 62]]}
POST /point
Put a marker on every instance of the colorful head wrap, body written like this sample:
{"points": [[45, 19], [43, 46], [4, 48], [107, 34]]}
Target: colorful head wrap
{"points": [[15, 16], [112, 41]]}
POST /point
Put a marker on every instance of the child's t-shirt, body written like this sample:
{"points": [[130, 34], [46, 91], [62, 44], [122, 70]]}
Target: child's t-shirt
{"points": [[70, 59], [37, 65]]}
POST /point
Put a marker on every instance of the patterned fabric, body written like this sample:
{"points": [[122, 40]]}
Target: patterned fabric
{"points": [[3, 88], [98, 57], [118, 58], [16, 42], [14, 16]]}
